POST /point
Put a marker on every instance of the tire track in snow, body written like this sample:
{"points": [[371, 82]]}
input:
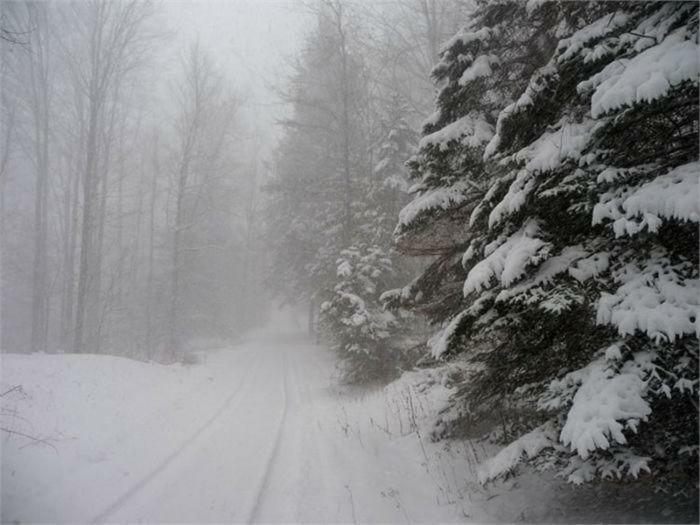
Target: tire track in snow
{"points": [[138, 486], [274, 452], [161, 412]]}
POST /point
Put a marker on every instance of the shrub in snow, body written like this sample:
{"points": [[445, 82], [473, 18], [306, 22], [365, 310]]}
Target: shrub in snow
{"points": [[572, 213], [360, 329]]}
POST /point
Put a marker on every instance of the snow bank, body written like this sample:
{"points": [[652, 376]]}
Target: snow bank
{"points": [[110, 419]]}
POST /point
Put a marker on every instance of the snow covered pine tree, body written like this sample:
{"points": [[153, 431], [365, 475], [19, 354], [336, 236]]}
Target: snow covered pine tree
{"points": [[372, 341], [557, 184]]}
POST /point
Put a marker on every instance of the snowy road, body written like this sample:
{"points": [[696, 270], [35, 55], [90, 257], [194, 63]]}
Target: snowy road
{"points": [[259, 432], [222, 470], [255, 433]]}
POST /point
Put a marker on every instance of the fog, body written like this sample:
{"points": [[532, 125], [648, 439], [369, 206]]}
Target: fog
{"points": [[253, 43], [349, 261], [145, 131]]}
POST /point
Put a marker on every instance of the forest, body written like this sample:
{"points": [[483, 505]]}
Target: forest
{"points": [[455, 239]]}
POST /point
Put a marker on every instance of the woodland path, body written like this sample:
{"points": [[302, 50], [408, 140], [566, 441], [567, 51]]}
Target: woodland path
{"points": [[255, 432], [266, 454]]}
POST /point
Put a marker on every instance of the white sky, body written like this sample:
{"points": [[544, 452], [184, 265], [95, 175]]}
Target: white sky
{"points": [[250, 41]]}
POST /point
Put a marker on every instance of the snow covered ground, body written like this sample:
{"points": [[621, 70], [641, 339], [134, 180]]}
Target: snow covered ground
{"points": [[258, 432]]}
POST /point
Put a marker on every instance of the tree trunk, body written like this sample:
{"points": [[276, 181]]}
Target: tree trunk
{"points": [[151, 248], [311, 320], [345, 89], [97, 303], [86, 235], [174, 329], [39, 71]]}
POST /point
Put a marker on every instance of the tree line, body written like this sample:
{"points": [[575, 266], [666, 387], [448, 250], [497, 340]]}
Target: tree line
{"points": [[544, 224], [120, 190], [358, 90]]}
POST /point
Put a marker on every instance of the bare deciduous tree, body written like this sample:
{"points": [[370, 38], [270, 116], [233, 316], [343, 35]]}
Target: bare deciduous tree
{"points": [[109, 33]]}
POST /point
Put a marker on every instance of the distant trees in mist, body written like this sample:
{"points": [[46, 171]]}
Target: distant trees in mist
{"points": [[122, 191], [360, 87]]}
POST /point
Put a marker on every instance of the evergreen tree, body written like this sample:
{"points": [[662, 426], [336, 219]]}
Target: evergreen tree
{"points": [[369, 338], [557, 186], [318, 163]]}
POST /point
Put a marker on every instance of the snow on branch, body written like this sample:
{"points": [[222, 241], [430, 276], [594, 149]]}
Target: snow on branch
{"points": [[508, 262], [645, 77], [604, 401], [515, 198], [467, 36], [480, 67], [552, 148], [442, 198], [671, 196], [674, 195], [439, 343], [526, 447], [471, 130], [654, 299], [576, 43], [547, 271]]}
